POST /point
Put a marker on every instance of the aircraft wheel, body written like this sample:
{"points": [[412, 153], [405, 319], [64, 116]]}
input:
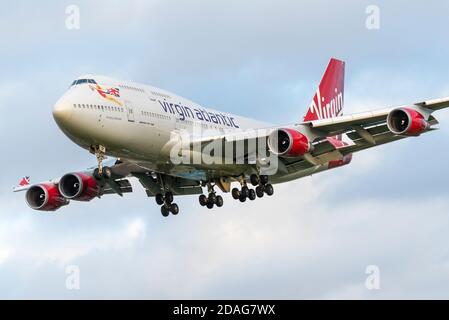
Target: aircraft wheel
{"points": [[235, 193], [159, 199], [96, 174], [269, 190], [210, 205], [107, 173], [203, 200], [259, 191], [212, 198], [174, 208], [168, 197], [219, 201], [252, 194], [242, 198], [254, 179], [244, 192], [263, 179], [165, 211]]}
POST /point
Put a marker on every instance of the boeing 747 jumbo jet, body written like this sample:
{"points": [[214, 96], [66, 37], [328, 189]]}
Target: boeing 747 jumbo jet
{"points": [[176, 147]]}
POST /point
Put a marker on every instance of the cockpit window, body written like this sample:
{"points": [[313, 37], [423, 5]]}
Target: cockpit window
{"points": [[81, 81]]}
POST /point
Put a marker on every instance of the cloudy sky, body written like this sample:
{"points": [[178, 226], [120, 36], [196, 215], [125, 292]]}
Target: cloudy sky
{"points": [[315, 237]]}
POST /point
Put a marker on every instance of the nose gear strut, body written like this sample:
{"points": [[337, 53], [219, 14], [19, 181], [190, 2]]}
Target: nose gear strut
{"points": [[100, 172]]}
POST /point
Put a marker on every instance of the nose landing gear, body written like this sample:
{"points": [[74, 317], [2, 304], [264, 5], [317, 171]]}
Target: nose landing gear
{"points": [[101, 172]]}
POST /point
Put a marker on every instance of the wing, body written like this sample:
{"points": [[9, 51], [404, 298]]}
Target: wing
{"points": [[370, 129], [118, 184], [365, 130]]}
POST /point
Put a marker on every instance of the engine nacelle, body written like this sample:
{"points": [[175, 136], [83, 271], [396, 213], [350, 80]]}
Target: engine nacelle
{"points": [[289, 143], [79, 186], [406, 121], [45, 197]]}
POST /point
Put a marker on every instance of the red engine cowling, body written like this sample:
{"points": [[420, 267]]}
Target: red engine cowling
{"points": [[289, 143], [406, 121], [45, 197], [79, 186]]}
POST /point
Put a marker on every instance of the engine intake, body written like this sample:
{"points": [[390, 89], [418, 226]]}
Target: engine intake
{"points": [[45, 197], [79, 186], [288, 142], [405, 121]]}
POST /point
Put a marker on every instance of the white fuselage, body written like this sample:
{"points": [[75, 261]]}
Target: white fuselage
{"points": [[136, 122]]}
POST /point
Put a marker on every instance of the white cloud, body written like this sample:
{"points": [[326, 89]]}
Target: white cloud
{"points": [[303, 243], [4, 255]]}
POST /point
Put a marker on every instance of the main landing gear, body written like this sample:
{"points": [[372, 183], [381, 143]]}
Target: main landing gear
{"points": [[262, 187], [166, 203], [212, 199]]}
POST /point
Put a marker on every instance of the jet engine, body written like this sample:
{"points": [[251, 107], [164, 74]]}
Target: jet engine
{"points": [[289, 143], [406, 121], [79, 186], [45, 197]]}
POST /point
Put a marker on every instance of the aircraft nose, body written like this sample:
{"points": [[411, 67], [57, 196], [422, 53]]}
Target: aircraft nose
{"points": [[62, 112]]}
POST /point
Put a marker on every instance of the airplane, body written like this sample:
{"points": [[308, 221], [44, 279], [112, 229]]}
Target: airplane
{"points": [[176, 147]]}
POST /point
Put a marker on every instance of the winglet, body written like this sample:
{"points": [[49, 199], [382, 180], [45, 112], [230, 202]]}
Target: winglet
{"points": [[24, 184]]}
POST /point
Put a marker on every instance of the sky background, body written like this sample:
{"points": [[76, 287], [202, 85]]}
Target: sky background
{"points": [[315, 237]]}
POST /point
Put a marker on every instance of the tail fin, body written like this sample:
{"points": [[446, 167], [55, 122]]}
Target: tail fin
{"points": [[328, 100]]}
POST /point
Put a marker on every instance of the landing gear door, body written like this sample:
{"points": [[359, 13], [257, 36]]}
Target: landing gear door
{"points": [[129, 111]]}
